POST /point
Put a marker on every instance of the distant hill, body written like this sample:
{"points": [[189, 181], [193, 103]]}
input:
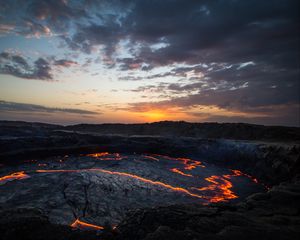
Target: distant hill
{"points": [[239, 131], [204, 130]]}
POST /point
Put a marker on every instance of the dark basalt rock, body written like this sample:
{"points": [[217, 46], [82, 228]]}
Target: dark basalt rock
{"points": [[28, 224], [271, 215]]}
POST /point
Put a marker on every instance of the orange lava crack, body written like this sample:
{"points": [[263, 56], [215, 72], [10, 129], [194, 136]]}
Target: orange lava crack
{"points": [[176, 170], [14, 176], [83, 225], [105, 156]]}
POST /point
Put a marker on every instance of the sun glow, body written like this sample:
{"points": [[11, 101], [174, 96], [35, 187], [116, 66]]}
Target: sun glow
{"points": [[155, 115]]}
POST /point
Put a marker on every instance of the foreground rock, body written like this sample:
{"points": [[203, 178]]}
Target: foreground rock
{"points": [[271, 215], [29, 224]]}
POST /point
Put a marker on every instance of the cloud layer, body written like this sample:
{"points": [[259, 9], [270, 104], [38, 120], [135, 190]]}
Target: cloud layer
{"points": [[40, 69], [33, 108], [240, 56]]}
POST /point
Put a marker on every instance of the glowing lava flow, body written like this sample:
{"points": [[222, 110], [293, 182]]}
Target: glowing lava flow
{"points": [[157, 183], [221, 187], [96, 155], [83, 225], [14, 176], [191, 164], [176, 170], [239, 173], [188, 163], [105, 156]]}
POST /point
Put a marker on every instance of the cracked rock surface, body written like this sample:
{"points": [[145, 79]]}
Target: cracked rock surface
{"points": [[271, 215], [101, 190]]}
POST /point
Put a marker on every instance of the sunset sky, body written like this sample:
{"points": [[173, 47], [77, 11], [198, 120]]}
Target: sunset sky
{"points": [[67, 62]]}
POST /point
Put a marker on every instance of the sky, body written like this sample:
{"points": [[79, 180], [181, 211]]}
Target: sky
{"points": [[126, 61]]}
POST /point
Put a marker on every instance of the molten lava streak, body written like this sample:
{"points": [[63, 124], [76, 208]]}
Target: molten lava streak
{"points": [[106, 156], [221, 187], [188, 163], [14, 176], [239, 173], [176, 170], [83, 225], [96, 155]]}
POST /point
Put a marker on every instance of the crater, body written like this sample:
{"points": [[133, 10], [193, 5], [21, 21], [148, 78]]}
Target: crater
{"points": [[100, 188]]}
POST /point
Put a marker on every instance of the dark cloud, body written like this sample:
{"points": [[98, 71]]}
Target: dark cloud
{"points": [[243, 98], [40, 69], [33, 108], [65, 63], [193, 31], [214, 31], [41, 17], [18, 66]]}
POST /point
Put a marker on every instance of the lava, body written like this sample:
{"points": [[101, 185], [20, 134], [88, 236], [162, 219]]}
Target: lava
{"points": [[14, 176], [239, 173], [83, 225], [57, 170], [96, 155], [105, 156], [142, 179], [192, 164], [221, 187], [189, 164], [176, 170]]}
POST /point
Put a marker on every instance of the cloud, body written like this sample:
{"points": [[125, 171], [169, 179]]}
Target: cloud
{"points": [[216, 53], [161, 33], [18, 66], [37, 18], [229, 86], [65, 63], [33, 108], [40, 69], [254, 100], [6, 28]]}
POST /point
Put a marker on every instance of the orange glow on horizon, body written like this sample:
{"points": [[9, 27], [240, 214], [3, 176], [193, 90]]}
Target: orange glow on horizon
{"points": [[155, 115]]}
